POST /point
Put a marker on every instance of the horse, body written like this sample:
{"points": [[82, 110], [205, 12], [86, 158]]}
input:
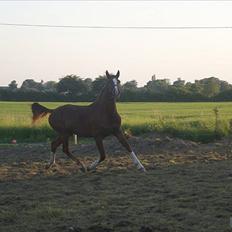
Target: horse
{"points": [[97, 120]]}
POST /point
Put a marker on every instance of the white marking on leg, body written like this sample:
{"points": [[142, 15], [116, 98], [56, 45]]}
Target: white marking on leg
{"points": [[93, 165], [136, 162]]}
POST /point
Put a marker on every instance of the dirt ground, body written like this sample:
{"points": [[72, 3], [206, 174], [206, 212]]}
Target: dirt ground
{"points": [[187, 187]]}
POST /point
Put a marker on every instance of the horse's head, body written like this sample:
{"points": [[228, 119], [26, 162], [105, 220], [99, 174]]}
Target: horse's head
{"points": [[113, 84]]}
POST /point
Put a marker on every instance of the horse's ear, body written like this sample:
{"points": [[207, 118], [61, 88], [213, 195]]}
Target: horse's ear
{"points": [[118, 74], [107, 74]]}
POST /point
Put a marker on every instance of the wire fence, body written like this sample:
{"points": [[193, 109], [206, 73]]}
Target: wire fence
{"points": [[118, 27]]}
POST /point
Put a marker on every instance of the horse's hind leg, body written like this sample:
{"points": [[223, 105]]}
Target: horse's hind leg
{"points": [[101, 150], [121, 138], [54, 145], [69, 154]]}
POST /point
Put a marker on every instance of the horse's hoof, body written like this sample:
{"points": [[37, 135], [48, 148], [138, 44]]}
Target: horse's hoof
{"points": [[83, 169], [90, 169], [48, 166], [142, 169]]}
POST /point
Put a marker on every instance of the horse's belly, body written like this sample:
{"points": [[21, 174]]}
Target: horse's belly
{"points": [[82, 125], [83, 132], [69, 125]]}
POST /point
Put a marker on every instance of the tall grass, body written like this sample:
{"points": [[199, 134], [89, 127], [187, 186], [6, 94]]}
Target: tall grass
{"points": [[196, 121]]}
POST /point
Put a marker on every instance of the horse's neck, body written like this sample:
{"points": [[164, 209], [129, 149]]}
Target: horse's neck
{"points": [[106, 104], [110, 106]]}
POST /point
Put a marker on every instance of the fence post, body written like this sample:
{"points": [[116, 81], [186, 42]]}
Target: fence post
{"points": [[75, 139]]}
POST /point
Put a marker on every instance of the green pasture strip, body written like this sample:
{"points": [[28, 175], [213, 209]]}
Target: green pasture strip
{"points": [[195, 121]]}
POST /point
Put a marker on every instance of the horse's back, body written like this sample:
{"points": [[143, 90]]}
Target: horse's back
{"points": [[65, 118]]}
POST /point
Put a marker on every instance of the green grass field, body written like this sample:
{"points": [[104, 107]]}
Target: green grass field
{"points": [[195, 121]]}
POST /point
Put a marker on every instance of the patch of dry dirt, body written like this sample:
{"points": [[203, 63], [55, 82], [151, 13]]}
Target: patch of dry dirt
{"points": [[154, 150], [187, 187]]}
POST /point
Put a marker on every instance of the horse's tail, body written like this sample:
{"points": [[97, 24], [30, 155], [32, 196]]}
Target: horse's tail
{"points": [[39, 111]]}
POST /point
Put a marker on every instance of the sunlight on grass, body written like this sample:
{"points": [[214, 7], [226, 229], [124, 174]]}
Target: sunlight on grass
{"points": [[194, 121]]}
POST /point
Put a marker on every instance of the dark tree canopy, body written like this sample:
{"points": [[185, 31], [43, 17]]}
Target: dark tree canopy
{"points": [[72, 85], [158, 86], [130, 85], [13, 85], [98, 85], [31, 85], [74, 88]]}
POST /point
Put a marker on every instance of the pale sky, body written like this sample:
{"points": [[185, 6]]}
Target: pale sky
{"points": [[50, 53]]}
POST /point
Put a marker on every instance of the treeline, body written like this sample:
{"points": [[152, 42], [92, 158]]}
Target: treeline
{"points": [[73, 88]]}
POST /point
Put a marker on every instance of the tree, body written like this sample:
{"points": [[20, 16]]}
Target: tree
{"points": [[158, 86], [31, 85], [179, 83], [224, 86], [13, 85], [130, 85], [71, 84], [194, 88], [88, 84], [129, 91], [211, 86], [50, 86], [98, 85]]}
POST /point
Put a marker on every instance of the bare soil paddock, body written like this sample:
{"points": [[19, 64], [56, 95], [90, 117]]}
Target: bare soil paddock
{"points": [[187, 187]]}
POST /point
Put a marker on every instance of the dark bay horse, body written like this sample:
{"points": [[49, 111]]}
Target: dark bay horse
{"points": [[97, 120]]}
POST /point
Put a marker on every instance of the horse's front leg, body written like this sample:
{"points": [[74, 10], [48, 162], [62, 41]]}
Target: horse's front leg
{"points": [[121, 138], [99, 143]]}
